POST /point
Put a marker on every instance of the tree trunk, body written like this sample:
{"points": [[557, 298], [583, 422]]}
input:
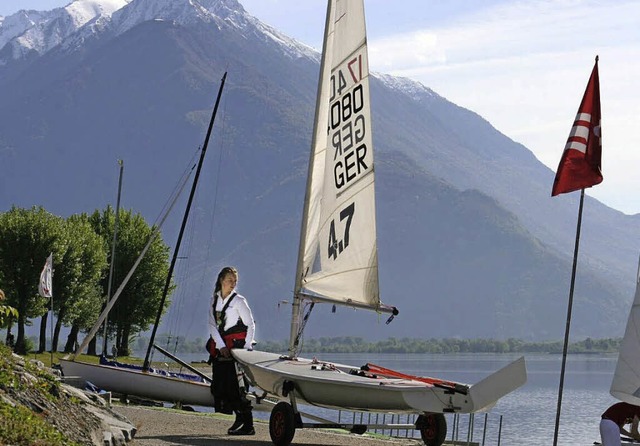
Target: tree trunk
{"points": [[118, 339], [123, 350], [9, 340], [91, 348], [72, 339], [56, 330], [21, 346], [42, 341]]}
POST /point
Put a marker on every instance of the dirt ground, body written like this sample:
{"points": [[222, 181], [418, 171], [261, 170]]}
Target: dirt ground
{"points": [[163, 427]]}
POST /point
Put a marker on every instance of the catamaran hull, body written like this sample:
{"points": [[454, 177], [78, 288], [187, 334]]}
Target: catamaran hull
{"points": [[333, 386], [140, 384]]}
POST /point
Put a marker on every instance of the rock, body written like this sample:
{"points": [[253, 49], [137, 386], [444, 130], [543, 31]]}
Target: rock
{"points": [[82, 416], [116, 429]]}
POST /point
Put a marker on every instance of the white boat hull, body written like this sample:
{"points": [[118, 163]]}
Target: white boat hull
{"points": [[332, 385], [141, 384]]}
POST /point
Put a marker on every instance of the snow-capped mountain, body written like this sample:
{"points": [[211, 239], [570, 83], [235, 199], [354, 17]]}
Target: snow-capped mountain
{"points": [[15, 25], [35, 31], [28, 31], [411, 88], [465, 219], [220, 12], [183, 12]]}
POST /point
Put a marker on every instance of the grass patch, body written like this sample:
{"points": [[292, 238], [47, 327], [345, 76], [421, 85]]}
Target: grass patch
{"points": [[20, 426], [45, 358]]}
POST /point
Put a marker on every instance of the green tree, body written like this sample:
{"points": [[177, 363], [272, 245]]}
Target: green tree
{"points": [[137, 306], [6, 312], [27, 237], [588, 343], [78, 294]]}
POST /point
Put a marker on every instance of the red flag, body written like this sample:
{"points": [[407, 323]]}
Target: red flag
{"points": [[580, 163]]}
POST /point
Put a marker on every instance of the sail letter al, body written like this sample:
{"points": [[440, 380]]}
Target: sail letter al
{"points": [[44, 287], [580, 163]]}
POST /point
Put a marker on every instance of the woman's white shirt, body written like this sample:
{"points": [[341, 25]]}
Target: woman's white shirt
{"points": [[237, 309]]}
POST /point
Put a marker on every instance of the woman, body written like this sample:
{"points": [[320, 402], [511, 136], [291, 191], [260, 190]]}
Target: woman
{"points": [[613, 421], [231, 325]]}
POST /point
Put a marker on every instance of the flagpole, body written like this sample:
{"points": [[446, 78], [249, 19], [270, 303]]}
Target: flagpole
{"points": [[51, 328], [568, 323], [51, 303]]}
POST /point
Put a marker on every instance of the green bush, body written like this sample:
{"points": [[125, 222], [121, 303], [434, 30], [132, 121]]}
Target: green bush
{"points": [[21, 427]]}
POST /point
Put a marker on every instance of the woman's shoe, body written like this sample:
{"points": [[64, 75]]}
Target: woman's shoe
{"points": [[236, 424], [243, 430]]}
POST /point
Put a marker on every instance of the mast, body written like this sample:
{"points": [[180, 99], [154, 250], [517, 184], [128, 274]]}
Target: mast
{"points": [[113, 257], [295, 309], [146, 364]]}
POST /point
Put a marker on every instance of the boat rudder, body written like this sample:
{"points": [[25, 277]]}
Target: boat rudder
{"points": [[485, 393]]}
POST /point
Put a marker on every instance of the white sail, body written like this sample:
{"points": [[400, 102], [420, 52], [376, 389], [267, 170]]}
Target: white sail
{"points": [[337, 261], [626, 379], [339, 252]]}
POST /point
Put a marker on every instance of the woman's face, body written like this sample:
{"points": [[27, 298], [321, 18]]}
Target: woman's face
{"points": [[229, 282]]}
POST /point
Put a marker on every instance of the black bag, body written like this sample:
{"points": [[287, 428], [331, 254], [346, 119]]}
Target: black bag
{"points": [[210, 347]]}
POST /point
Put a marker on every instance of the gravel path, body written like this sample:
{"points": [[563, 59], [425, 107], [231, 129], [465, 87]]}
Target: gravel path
{"points": [[162, 427]]}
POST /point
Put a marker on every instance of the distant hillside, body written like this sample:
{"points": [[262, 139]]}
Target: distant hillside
{"points": [[470, 242]]}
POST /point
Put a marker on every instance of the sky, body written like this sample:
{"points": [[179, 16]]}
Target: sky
{"points": [[523, 65]]}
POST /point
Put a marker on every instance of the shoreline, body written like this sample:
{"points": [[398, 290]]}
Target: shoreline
{"points": [[164, 427]]}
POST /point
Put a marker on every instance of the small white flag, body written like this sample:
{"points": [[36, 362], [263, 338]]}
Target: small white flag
{"points": [[44, 287]]}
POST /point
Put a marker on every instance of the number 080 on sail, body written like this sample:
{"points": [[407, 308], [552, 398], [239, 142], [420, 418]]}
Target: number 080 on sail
{"points": [[349, 123]]}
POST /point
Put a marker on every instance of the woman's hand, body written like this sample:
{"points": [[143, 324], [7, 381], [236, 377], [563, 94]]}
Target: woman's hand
{"points": [[634, 428], [224, 351]]}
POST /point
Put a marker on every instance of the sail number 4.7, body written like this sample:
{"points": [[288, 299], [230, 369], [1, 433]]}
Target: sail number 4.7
{"points": [[337, 246]]}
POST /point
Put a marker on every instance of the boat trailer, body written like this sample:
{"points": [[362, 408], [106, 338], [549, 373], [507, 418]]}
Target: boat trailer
{"points": [[285, 418]]}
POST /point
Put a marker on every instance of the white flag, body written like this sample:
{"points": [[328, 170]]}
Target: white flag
{"points": [[44, 287]]}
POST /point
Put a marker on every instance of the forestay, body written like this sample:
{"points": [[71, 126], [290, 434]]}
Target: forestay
{"points": [[339, 254], [626, 379]]}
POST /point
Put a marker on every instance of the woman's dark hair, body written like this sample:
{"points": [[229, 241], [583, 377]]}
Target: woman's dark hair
{"points": [[223, 272]]}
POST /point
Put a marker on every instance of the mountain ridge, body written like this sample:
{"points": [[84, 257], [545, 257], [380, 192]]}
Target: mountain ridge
{"points": [[470, 242]]}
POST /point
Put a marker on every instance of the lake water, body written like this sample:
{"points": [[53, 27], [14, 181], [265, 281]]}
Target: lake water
{"points": [[529, 413]]}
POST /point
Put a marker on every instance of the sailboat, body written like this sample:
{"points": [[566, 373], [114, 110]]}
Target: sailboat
{"points": [[338, 264], [145, 381], [625, 385]]}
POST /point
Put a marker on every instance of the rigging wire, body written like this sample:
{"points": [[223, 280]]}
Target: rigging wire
{"points": [[177, 189], [192, 162], [154, 233], [204, 283], [181, 274], [191, 262], [190, 166], [179, 299], [299, 341]]}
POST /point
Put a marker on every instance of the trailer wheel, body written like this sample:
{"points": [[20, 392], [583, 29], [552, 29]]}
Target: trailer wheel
{"points": [[358, 429], [433, 428], [282, 425]]}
